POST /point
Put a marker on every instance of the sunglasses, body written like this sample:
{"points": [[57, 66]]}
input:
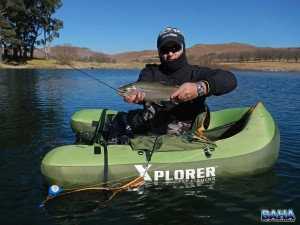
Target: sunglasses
{"points": [[167, 49]]}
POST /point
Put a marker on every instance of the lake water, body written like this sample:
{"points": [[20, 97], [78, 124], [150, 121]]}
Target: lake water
{"points": [[35, 108]]}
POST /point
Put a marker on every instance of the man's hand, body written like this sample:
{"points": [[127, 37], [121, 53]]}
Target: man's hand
{"points": [[187, 92], [134, 97]]}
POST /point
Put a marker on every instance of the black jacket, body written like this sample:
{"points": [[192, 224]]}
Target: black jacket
{"points": [[220, 82]]}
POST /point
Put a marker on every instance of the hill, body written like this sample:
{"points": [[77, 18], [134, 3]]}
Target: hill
{"points": [[206, 49], [195, 51], [135, 56]]}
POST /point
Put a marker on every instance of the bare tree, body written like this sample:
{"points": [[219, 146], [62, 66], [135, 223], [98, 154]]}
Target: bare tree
{"points": [[296, 54], [65, 53]]}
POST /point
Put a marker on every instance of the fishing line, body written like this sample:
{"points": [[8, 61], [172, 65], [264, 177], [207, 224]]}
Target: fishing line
{"points": [[78, 70]]}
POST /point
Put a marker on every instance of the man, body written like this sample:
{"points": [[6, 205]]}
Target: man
{"points": [[195, 84]]}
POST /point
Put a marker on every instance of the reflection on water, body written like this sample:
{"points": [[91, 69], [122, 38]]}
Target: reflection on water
{"points": [[35, 108], [224, 202]]}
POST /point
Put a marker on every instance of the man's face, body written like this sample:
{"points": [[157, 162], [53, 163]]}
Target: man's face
{"points": [[170, 51]]}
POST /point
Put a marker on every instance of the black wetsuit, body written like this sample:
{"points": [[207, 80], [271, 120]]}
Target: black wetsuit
{"points": [[177, 73]]}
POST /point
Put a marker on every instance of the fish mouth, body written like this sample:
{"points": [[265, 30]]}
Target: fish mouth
{"points": [[121, 92]]}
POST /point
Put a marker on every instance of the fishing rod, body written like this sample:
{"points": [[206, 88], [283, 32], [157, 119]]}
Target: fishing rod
{"points": [[78, 70]]}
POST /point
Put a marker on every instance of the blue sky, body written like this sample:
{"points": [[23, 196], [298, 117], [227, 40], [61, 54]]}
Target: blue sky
{"points": [[115, 26]]}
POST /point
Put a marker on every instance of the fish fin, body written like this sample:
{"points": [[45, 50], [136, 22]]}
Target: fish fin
{"points": [[162, 103], [175, 101], [159, 103]]}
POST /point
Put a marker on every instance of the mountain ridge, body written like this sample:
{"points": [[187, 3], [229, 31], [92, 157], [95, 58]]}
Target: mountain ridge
{"points": [[194, 52]]}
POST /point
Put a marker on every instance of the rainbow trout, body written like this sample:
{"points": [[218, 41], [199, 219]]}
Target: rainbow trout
{"points": [[154, 91]]}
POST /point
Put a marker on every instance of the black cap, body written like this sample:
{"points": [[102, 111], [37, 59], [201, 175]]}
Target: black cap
{"points": [[170, 34]]}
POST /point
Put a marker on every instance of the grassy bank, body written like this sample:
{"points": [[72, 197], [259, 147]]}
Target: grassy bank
{"points": [[264, 66], [53, 64]]}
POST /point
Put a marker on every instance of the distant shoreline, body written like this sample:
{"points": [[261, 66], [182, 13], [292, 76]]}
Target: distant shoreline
{"points": [[257, 66]]}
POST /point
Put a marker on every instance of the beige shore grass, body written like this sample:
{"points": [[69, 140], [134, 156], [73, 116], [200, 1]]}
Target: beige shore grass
{"points": [[265, 66], [53, 64]]}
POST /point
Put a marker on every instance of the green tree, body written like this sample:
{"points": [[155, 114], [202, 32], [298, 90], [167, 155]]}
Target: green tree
{"points": [[7, 32], [26, 21], [49, 26]]}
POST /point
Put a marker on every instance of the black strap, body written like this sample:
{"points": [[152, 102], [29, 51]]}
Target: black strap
{"points": [[105, 169], [206, 121], [149, 156], [99, 129], [237, 126], [128, 128]]}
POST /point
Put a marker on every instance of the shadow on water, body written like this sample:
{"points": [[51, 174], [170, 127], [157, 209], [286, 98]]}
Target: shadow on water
{"points": [[25, 111], [32, 122]]}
